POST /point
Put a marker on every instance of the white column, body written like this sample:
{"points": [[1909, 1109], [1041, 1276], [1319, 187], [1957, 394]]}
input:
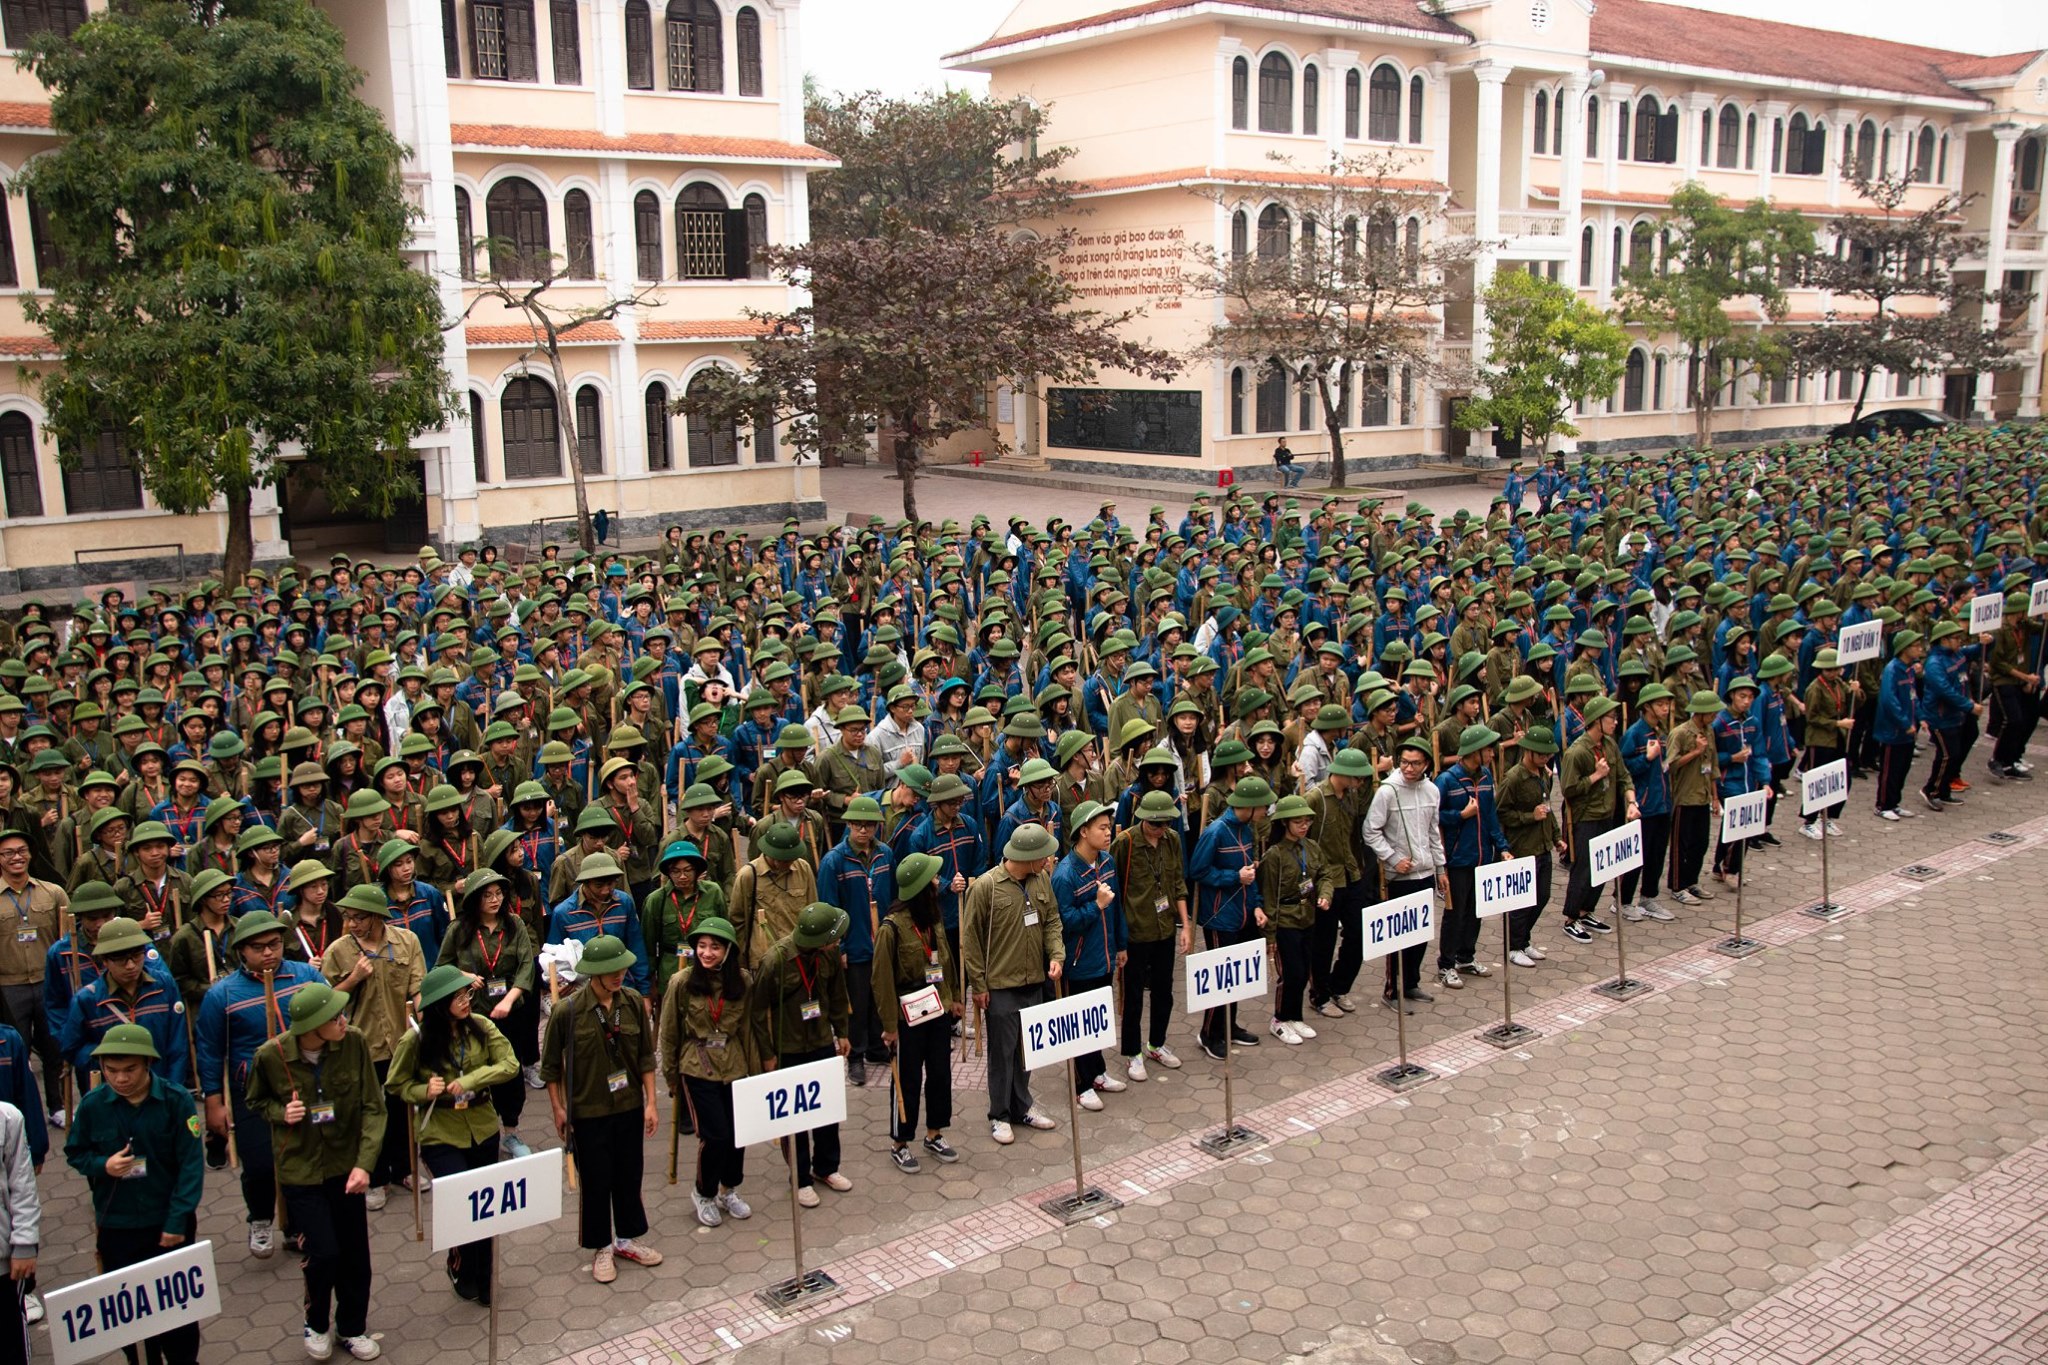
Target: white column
{"points": [[1227, 53], [607, 72], [1439, 117], [1769, 115], [1335, 63], [1841, 131], [1697, 108], [2004, 137], [619, 264], [2030, 374], [789, 33], [1571, 185], [1492, 76], [1621, 97]]}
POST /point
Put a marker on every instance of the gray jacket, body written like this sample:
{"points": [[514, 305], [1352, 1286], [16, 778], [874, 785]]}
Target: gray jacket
{"points": [[21, 1208], [1401, 823]]}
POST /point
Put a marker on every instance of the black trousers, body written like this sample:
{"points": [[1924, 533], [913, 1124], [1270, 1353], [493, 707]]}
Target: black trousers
{"points": [[1947, 748], [1522, 922], [469, 1265], [335, 1226], [1147, 971], [1408, 961], [1581, 897], [119, 1247], [394, 1158], [1819, 756], [13, 1323], [522, 1029], [1217, 1023], [1893, 763], [1293, 948], [924, 1063], [1864, 750], [1088, 1065], [2014, 716], [817, 1151], [1458, 941], [25, 1003], [1337, 945], [866, 1034], [1656, 842], [259, 1170], [1692, 826], [720, 1164], [610, 1153]]}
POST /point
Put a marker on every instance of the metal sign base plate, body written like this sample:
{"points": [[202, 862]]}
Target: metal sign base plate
{"points": [[2001, 837], [1505, 1036], [1738, 947], [1403, 1076], [1228, 1142], [1920, 872], [1074, 1208], [1828, 910], [1622, 988], [788, 1296]]}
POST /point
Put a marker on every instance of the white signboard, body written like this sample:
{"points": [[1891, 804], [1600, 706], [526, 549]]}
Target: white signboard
{"points": [[1745, 817], [1824, 786], [496, 1199], [789, 1099], [1068, 1027], [1402, 922], [2037, 602], [1987, 610], [1860, 642], [97, 1317], [1505, 886], [1615, 852], [1224, 976]]}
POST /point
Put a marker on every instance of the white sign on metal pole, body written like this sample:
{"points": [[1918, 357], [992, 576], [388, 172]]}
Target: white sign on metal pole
{"points": [[790, 1099], [1224, 976], [494, 1200], [1824, 786], [1399, 923], [1615, 852], [1987, 610], [99, 1316], [2037, 601], [1745, 817], [1068, 1027], [1859, 642], [1505, 886]]}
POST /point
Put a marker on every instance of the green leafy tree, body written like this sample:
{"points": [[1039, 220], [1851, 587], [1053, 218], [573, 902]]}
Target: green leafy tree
{"points": [[927, 285], [228, 220], [1549, 351], [1895, 256], [1715, 256]]}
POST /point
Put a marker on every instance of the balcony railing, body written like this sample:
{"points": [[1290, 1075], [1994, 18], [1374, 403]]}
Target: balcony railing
{"points": [[2016, 240], [1514, 224]]}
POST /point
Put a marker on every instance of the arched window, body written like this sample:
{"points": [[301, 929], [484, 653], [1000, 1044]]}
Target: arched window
{"points": [[516, 220], [695, 44], [529, 430], [1383, 105], [705, 236], [1372, 399], [1632, 381], [1586, 257], [1305, 417], [756, 209], [18, 465], [1240, 93], [567, 41], [1237, 401], [1621, 130], [1884, 152], [1276, 94], [711, 444], [477, 452], [1729, 152], [1379, 242], [647, 235], [1350, 248], [465, 239], [1240, 236], [576, 227], [1941, 172], [639, 46], [103, 478], [502, 46], [1415, 109], [1275, 233], [1649, 121], [661, 455], [1311, 98], [1272, 397], [590, 429], [1795, 145], [2027, 165], [1866, 149], [1614, 257], [1657, 386], [1542, 137], [1411, 249], [746, 30], [1749, 146], [1923, 153], [1592, 125], [1642, 247], [1354, 100]]}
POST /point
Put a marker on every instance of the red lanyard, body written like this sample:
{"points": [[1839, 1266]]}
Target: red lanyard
{"points": [[461, 864], [491, 958], [804, 977]]}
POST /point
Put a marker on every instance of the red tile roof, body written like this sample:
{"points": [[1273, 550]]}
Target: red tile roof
{"points": [[1200, 175], [1689, 37], [708, 329], [21, 114], [684, 145], [29, 346], [1963, 67], [1404, 14], [523, 334]]}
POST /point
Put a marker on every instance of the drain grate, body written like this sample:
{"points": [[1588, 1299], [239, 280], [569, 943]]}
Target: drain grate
{"points": [[1920, 872], [2001, 837]]}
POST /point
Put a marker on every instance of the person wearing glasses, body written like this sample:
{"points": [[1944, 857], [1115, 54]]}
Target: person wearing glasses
{"points": [[379, 966]]}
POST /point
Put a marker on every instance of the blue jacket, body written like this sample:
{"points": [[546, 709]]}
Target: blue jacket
{"points": [[60, 965], [1898, 704], [1468, 843], [426, 914], [1094, 935], [1731, 736], [864, 890], [1945, 687], [958, 851], [157, 1008], [18, 1087], [1221, 902], [232, 1026], [571, 918], [1648, 775], [1020, 814]]}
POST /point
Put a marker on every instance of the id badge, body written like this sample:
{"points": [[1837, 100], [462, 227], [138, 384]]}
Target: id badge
{"points": [[498, 988], [320, 1113], [1306, 888], [715, 1041], [1030, 919], [616, 1082], [139, 1170], [810, 1011], [1161, 906], [686, 953], [25, 936], [462, 1100], [933, 976]]}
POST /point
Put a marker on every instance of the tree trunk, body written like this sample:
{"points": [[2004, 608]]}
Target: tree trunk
{"points": [[906, 465], [241, 546], [1702, 406], [1862, 392], [1333, 423], [565, 420]]}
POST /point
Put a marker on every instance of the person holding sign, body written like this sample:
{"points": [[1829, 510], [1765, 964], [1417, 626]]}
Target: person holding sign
{"points": [[802, 1012], [1093, 927], [912, 977], [1645, 750], [2013, 667], [1402, 829], [1336, 945], [1599, 796], [1951, 714], [1150, 869], [1830, 721], [1529, 823], [1295, 885], [136, 1141], [1469, 826], [447, 1069], [597, 1061], [1898, 721], [1695, 796], [1225, 872], [1739, 752], [1011, 946], [319, 1091], [707, 1043]]}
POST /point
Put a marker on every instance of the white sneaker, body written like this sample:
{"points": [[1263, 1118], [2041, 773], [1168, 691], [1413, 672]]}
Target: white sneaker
{"points": [[531, 1075], [1329, 1009], [1040, 1120], [1521, 959], [1475, 969], [1301, 1028], [32, 1307], [1109, 1084], [1135, 1068], [376, 1198], [319, 1345], [1343, 1002], [1536, 952], [1090, 1101], [263, 1245], [1834, 830], [1001, 1132], [837, 1182], [1164, 1057], [1285, 1033], [734, 1206], [364, 1347], [1449, 977], [56, 1118], [1688, 898], [1654, 911], [807, 1196], [708, 1212], [1634, 914], [1810, 832]]}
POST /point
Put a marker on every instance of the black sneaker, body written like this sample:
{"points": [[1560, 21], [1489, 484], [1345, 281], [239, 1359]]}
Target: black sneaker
{"points": [[905, 1159], [216, 1151], [1420, 994], [857, 1072], [1388, 1002], [941, 1149], [1244, 1037], [1576, 931], [1769, 838], [1597, 926], [1215, 1050]]}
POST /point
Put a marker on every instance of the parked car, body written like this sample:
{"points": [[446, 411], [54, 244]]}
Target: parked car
{"points": [[1906, 421]]}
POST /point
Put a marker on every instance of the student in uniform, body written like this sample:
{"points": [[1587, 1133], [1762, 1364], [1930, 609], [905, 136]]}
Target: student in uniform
{"points": [[1401, 829], [1830, 723], [448, 1069], [379, 967], [494, 948], [598, 1063], [1225, 872], [1010, 948], [913, 975], [802, 1012], [1093, 929], [135, 1139], [319, 1092], [707, 1043], [1149, 868], [1469, 825], [1529, 821], [1294, 886]]}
